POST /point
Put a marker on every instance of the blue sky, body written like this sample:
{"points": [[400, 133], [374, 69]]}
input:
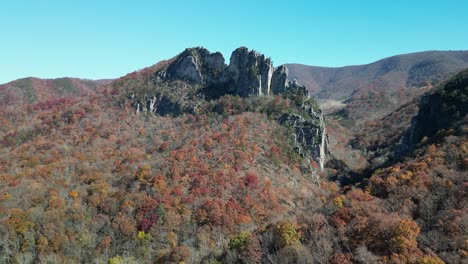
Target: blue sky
{"points": [[107, 39]]}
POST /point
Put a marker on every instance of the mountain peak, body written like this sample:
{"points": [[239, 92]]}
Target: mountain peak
{"points": [[248, 73]]}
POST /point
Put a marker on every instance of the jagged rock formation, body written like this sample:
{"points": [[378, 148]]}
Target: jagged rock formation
{"points": [[249, 73], [280, 80], [197, 74], [309, 137], [196, 66]]}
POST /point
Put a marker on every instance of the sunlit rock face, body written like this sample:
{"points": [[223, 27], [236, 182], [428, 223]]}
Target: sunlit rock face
{"points": [[196, 66], [249, 73], [309, 135]]}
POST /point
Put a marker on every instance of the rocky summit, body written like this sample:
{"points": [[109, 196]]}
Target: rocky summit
{"points": [[248, 73], [196, 76]]}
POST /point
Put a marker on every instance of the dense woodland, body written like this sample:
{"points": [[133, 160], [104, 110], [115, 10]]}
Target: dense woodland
{"points": [[87, 180]]}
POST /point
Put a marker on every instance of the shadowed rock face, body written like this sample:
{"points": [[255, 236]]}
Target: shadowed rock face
{"points": [[280, 80], [441, 109], [249, 73]]}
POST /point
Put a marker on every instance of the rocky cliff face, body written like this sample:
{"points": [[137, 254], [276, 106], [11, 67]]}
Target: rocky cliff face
{"points": [[429, 119], [249, 73], [196, 75], [196, 66], [279, 80], [439, 110], [309, 134]]}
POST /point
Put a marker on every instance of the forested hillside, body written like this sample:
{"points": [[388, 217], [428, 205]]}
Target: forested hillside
{"points": [[195, 161]]}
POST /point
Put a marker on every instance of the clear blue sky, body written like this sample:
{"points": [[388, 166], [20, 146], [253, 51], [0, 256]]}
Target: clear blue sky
{"points": [[107, 39]]}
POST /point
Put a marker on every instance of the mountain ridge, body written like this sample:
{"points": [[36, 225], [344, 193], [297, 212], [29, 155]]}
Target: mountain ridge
{"points": [[322, 76], [33, 89]]}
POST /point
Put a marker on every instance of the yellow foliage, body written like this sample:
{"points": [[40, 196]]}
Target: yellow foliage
{"points": [[286, 234], [116, 260], [119, 260], [143, 237], [406, 175], [42, 243], [85, 238], [100, 187], [338, 201], [171, 239], [5, 197], [404, 236], [19, 221], [240, 241], [73, 194], [395, 169], [143, 173], [392, 181]]}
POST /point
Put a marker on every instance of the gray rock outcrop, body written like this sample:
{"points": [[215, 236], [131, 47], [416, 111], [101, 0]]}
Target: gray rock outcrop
{"points": [[249, 73], [279, 80], [309, 137], [198, 74], [196, 66]]}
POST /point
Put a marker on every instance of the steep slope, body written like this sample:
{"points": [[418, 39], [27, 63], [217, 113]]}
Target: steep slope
{"points": [[387, 139], [31, 90], [411, 206], [429, 185], [442, 108]]}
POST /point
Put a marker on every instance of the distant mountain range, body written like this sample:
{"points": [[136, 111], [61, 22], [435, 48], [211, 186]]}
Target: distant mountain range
{"points": [[367, 92], [30, 90], [402, 71], [363, 92], [393, 74]]}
